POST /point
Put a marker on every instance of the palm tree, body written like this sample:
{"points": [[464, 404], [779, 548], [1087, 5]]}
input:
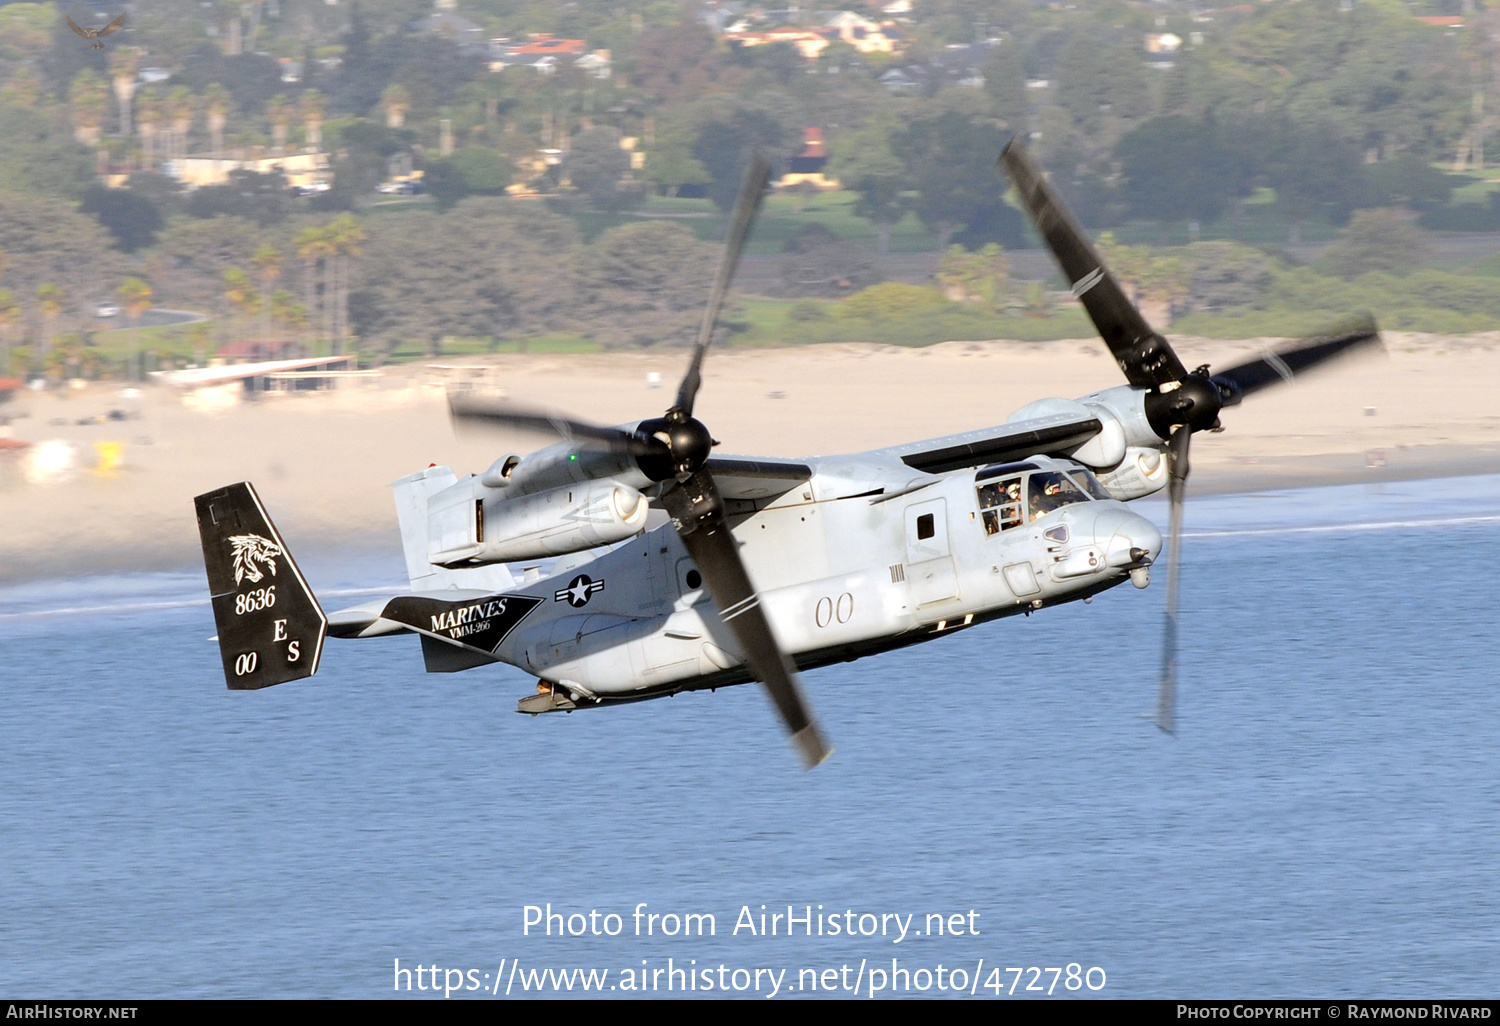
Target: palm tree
{"points": [[267, 261], [345, 234], [313, 246], [147, 114], [240, 293], [312, 118], [396, 101], [10, 316], [123, 63], [254, 12], [216, 102], [50, 298], [88, 96], [288, 312], [180, 109], [279, 111], [135, 296]]}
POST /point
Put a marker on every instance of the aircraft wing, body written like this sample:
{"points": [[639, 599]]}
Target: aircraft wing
{"points": [[1057, 434], [740, 477]]}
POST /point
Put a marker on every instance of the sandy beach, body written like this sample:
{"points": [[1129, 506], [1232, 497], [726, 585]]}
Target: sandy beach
{"points": [[323, 462]]}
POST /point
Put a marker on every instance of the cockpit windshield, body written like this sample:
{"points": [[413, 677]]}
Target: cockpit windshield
{"points": [[1050, 490], [1090, 483]]}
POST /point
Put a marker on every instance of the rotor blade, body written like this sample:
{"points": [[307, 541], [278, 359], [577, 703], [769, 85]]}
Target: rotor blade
{"points": [[751, 189], [697, 511], [475, 409], [1177, 469], [1283, 365], [1142, 354]]}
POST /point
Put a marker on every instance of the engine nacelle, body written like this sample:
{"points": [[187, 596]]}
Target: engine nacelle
{"points": [[1127, 454], [470, 523], [1141, 472]]}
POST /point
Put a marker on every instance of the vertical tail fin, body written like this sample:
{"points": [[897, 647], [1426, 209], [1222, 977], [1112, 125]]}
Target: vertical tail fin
{"points": [[271, 628]]}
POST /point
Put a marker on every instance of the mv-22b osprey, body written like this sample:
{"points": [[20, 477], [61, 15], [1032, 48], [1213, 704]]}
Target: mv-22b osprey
{"points": [[760, 567]]}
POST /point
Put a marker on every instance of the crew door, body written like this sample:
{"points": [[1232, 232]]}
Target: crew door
{"points": [[929, 561]]}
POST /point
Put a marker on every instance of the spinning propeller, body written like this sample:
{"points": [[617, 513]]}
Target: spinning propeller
{"points": [[1179, 402], [673, 449]]}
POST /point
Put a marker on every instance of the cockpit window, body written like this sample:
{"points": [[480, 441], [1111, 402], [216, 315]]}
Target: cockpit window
{"points": [[1050, 490], [1091, 484], [1000, 504]]}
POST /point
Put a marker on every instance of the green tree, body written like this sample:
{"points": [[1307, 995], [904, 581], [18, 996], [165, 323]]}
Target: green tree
{"points": [[240, 292], [10, 317], [597, 167], [646, 283], [492, 268], [730, 132], [670, 163], [471, 171], [313, 247], [132, 219], [950, 160], [865, 163], [135, 296], [1177, 169], [889, 300], [979, 277], [677, 63], [267, 263], [1376, 240], [50, 298], [345, 237], [1100, 82], [1005, 82], [88, 98]]}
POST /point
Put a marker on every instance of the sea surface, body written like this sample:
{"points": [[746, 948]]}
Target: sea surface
{"points": [[1325, 823]]}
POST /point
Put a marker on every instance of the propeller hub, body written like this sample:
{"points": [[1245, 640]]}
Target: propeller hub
{"points": [[1195, 402], [686, 441]]}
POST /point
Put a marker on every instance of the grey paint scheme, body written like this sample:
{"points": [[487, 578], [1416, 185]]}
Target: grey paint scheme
{"points": [[830, 544]]}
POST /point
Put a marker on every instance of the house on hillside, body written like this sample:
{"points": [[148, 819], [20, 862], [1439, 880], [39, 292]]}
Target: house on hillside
{"points": [[307, 171], [808, 43], [546, 54], [960, 64], [862, 33], [807, 164]]}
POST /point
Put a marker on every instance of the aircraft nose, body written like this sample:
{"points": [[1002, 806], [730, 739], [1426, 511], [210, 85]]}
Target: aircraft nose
{"points": [[1134, 540]]}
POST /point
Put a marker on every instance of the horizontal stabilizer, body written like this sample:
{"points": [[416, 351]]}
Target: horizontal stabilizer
{"points": [[477, 624], [270, 625]]}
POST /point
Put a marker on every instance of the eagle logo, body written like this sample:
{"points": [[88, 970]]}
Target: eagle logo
{"points": [[94, 34], [250, 549]]}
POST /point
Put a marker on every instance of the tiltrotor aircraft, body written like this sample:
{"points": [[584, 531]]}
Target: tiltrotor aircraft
{"points": [[760, 567]]}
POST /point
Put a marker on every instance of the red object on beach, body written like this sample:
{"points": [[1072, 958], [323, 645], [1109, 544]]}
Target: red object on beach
{"points": [[12, 443]]}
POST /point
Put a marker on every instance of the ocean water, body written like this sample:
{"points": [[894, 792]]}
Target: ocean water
{"points": [[1325, 822]]}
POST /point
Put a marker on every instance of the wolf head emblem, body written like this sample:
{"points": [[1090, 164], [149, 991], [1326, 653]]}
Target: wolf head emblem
{"points": [[250, 549]]}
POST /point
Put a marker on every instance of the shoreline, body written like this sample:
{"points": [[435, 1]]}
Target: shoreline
{"points": [[313, 544], [323, 462]]}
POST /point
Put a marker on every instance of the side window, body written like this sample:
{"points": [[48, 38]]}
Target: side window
{"points": [[925, 526], [1000, 504]]}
